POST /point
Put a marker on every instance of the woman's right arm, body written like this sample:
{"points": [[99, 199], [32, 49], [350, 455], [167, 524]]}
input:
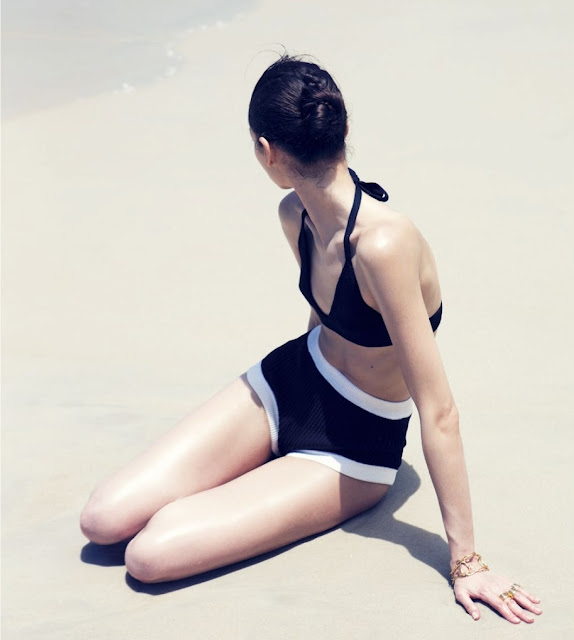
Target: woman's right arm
{"points": [[390, 262]]}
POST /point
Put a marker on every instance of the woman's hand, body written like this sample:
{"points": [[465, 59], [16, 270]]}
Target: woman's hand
{"points": [[510, 600]]}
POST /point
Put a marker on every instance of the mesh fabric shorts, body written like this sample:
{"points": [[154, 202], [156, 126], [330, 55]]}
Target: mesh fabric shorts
{"points": [[315, 412]]}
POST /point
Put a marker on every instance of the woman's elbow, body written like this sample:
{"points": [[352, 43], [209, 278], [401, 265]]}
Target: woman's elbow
{"points": [[442, 418]]}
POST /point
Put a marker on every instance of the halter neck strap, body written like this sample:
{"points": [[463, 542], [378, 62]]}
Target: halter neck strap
{"points": [[371, 188], [351, 220]]}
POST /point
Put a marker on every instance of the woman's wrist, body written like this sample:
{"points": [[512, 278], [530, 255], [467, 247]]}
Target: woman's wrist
{"points": [[466, 566], [456, 556], [460, 545]]}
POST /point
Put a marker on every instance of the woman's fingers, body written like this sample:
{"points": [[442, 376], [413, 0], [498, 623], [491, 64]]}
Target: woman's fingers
{"points": [[513, 603], [503, 606], [515, 609], [466, 601], [522, 591], [519, 612], [528, 602]]}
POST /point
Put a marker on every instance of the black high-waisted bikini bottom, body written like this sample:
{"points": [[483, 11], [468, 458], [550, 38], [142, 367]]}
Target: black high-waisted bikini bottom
{"points": [[315, 412]]}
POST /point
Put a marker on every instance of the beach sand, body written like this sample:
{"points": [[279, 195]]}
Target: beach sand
{"points": [[144, 267]]}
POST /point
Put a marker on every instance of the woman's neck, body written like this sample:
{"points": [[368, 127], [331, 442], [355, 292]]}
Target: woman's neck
{"points": [[327, 198]]}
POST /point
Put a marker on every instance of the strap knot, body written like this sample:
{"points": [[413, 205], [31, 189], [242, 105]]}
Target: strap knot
{"points": [[371, 188]]}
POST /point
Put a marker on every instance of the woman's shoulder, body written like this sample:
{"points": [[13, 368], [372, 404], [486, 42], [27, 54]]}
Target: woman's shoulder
{"points": [[387, 237], [291, 207], [290, 211], [395, 262], [393, 255]]}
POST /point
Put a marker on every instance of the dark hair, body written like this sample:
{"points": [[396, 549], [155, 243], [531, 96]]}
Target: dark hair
{"points": [[297, 106]]}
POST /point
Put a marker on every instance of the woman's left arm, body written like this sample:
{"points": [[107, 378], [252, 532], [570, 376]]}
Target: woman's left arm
{"points": [[389, 263]]}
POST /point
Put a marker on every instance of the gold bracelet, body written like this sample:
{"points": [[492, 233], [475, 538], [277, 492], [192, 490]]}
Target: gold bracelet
{"points": [[462, 567]]}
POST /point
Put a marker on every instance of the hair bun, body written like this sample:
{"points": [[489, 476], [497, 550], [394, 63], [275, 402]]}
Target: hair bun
{"points": [[320, 112]]}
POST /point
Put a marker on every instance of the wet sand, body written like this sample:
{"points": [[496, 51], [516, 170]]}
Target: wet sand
{"points": [[144, 268]]}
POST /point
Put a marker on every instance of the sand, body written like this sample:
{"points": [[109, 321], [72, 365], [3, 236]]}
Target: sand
{"points": [[121, 312]]}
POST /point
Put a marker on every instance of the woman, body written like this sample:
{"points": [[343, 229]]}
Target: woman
{"points": [[313, 434]]}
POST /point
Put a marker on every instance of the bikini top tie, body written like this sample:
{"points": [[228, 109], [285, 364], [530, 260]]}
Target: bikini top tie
{"points": [[371, 188]]}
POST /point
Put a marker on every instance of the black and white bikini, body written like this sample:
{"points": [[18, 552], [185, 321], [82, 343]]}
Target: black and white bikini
{"points": [[313, 410]]}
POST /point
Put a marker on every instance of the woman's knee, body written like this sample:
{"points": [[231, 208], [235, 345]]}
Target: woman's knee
{"points": [[147, 556], [103, 522], [144, 559], [154, 557]]}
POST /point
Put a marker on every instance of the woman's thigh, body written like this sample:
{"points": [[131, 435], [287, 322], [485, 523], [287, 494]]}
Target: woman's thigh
{"points": [[280, 502], [224, 438]]}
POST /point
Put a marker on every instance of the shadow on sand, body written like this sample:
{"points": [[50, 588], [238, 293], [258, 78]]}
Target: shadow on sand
{"points": [[380, 522]]}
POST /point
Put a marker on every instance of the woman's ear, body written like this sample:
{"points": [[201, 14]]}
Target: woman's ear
{"points": [[346, 128], [268, 152]]}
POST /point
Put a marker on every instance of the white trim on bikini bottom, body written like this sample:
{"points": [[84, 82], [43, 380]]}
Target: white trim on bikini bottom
{"points": [[341, 384], [348, 467], [261, 387]]}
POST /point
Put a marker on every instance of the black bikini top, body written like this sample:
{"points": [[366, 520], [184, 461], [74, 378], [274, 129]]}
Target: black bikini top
{"points": [[350, 316]]}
